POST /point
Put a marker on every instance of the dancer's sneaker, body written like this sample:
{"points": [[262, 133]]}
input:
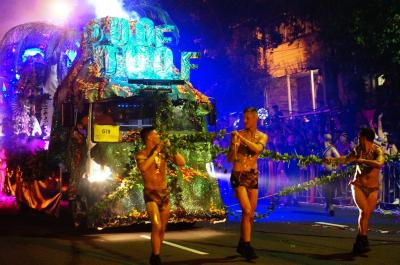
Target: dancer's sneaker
{"points": [[155, 260], [240, 248], [249, 252], [365, 243], [359, 246]]}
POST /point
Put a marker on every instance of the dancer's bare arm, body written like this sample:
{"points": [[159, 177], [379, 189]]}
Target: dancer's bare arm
{"points": [[144, 162], [341, 159], [233, 148], [179, 160], [335, 153], [256, 147], [378, 162]]}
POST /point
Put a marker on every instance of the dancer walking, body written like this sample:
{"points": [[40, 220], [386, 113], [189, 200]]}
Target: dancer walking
{"points": [[152, 162], [245, 148], [369, 159]]}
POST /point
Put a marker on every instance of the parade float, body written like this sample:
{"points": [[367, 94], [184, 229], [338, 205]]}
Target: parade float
{"points": [[75, 112]]}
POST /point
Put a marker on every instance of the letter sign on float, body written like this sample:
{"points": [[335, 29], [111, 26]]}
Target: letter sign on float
{"points": [[106, 133]]}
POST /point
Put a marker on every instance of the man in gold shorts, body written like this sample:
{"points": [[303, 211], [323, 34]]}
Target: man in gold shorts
{"points": [[152, 162], [246, 146], [369, 159]]}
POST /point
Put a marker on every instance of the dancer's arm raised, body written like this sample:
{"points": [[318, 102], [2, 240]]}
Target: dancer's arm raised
{"points": [[233, 148], [256, 147], [378, 162]]}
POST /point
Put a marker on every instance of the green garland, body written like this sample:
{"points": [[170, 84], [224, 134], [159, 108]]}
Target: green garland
{"points": [[165, 123], [300, 187], [392, 158], [186, 142], [317, 182]]}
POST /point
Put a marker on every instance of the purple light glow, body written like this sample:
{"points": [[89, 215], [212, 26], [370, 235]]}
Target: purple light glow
{"points": [[61, 10], [71, 12], [3, 168], [112, 8]]}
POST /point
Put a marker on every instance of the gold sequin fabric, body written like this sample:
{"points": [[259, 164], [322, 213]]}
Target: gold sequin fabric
{"points": [[248, 179]]}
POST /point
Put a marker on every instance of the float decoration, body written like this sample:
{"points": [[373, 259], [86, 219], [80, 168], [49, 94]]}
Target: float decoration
{"points": [[121, 58]]}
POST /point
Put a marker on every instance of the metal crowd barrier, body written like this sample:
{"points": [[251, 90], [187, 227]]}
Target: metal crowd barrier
{"points": [[390, 191], [273, 177]]}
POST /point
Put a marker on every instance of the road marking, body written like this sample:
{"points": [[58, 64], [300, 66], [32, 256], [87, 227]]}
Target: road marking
{"points": [[179, 246], [331, 224]]}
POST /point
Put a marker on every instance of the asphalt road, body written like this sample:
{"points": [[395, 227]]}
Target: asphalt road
{"points": [[288, 236]]}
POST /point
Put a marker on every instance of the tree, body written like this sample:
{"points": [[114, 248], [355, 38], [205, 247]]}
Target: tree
{"points": [[361, 37]]}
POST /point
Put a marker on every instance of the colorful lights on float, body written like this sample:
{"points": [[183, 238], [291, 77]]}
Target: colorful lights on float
{"points": [[122, 53], [211, 169], [31, 52], [71, 54], [99, 173]]}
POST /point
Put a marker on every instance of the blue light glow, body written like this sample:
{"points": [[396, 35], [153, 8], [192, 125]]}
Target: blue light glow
{"points": [[71, 54], [31, 52], [138, 54]]}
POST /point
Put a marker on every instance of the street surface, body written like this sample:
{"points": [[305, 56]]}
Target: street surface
{"points": [[289, 236]]}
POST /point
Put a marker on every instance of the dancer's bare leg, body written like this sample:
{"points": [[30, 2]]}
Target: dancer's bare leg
{"points": [[156, 227], [164, 215], [248, 203], [366, 207]]}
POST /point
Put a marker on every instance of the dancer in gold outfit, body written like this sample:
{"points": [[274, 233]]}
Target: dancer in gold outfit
{"points": [[152, 162], [369, 159], [245, 148]]}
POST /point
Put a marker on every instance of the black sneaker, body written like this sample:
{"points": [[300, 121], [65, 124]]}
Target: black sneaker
{"points": [[365, 242], [249, 252], [240, 248], [359, 247], [155, 260]]}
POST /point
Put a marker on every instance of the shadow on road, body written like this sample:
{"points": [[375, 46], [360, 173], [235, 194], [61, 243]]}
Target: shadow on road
{"points": [[335, 256], [38, 224], [225, 260], [380, 241]]}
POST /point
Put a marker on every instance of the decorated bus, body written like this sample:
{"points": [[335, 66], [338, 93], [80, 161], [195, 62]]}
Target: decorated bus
{"points": [[77, 141]]}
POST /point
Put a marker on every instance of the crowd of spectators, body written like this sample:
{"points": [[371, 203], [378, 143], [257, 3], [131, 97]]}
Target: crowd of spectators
{"points": [[305, 134]]}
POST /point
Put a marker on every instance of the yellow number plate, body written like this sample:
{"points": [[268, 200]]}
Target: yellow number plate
{"points": [[106, 133]]}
